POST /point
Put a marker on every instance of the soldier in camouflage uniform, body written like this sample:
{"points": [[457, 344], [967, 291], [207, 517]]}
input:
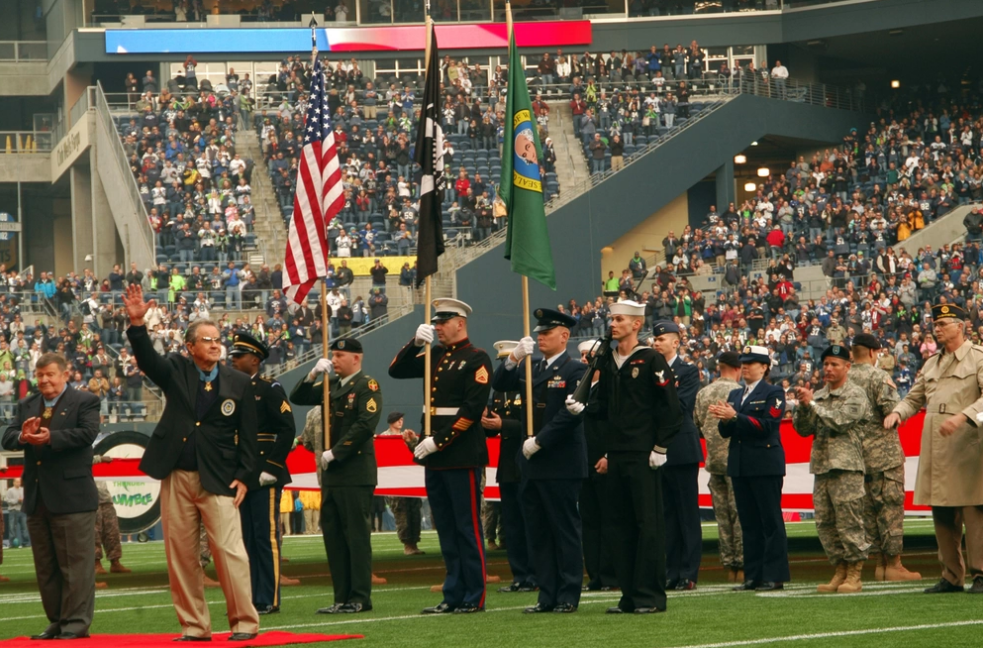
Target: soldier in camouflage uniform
{"points": [[833, 415], [730, 543], [407, 511], [883, 464], [107, 527]]}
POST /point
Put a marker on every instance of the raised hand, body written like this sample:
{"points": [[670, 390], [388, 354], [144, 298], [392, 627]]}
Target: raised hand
{"points": [[136, 308]]}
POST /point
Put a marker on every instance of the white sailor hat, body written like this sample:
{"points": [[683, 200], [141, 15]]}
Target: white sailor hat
{"points": [[756, 354], [504, 347], [588, 345], [446, 308], [628, 307]]}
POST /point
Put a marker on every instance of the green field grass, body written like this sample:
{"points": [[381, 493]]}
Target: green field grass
{"points": [[884, 614]]}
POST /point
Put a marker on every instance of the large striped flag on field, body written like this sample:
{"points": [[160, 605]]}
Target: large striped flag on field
{"points": [[527, 243], [319, 196], [430, 157]]}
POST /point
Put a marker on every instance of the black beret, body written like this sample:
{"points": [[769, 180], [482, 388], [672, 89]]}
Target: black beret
{"points": [[393, 417], [730, 358], [867, 340], [837, 351], [350, 345]]}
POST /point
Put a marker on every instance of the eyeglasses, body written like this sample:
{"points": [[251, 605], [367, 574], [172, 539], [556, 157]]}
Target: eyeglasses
{"points": [[210, 340]]}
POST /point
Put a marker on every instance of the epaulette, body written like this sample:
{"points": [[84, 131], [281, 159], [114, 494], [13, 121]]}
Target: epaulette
{"points": [[977, 347]]}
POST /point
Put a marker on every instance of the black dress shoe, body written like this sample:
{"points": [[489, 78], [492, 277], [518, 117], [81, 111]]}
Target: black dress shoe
{"points": [[269, 609], [330, 610], [685, 585], [648, 610], [45, 636], [977, 587], [73, 635], [769, 586], [671, 584], [536, 609], [242, 636], [747, 586], [354, 608], [443, 608], [616, 610], [468, 609], [944, 587], [190, 638], [517, 587], [565, 608]]}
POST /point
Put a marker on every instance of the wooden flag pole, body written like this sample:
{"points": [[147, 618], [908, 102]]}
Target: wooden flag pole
{"points": [[525, 280], [427, 361], [325, 338]]}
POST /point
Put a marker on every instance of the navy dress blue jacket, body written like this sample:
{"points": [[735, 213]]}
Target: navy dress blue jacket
{"points": [[755, 442], [685, 448]]}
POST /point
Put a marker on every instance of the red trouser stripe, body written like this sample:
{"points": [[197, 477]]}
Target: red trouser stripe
{"points": [[477, 537]]}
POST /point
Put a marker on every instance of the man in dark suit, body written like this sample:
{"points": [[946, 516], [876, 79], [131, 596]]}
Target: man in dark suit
{"points": [[56, 429], [553, 461], [348, 470], [204, 450], [597, 556], [504, 419], [684, 535], [455, 452], [260, 509], [756, 465]]}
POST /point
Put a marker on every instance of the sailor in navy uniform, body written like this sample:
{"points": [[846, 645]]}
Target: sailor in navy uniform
{"points": [[260, 510], [681, 490], [455, 453], [504, 418], [553, 461], [756, 465]]}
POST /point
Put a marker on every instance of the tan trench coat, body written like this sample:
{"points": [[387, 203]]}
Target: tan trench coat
{"points": [[950, 469]]}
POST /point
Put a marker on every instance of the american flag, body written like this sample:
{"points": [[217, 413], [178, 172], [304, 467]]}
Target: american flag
{"points": [[319, 196]]}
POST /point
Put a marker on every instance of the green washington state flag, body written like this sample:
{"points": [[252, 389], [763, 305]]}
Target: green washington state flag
{"points": [[527, 244]]}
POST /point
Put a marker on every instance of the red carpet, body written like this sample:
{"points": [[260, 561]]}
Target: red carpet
{"points": [[162, 640]]}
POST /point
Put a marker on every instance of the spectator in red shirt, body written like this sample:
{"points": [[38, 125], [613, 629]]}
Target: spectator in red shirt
{"points": [[462, 185], [776, 241]]}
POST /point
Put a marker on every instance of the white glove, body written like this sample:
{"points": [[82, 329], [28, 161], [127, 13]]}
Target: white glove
{"points": [[426, 447], [266, 479], [530, 447], [525, 348], [326, 457], [322, 366], [424, 335], [656, 460], [575, 407]]}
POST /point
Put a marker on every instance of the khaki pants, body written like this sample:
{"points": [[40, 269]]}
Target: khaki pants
{"points": [[617, 162], [949, 523], [311, 521], [183, 502]]}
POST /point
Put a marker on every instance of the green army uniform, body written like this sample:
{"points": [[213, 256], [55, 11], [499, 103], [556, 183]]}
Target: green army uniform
{"points": [[834, 418], [730, 543], [348, 482]]}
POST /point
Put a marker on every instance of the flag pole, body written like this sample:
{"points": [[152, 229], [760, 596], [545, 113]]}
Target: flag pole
{"points": [[525, 280], [427, 297], [325, 324]]}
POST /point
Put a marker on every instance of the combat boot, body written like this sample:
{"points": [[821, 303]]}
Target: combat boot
{"points": [[879, 569], [852, 584], [895, 571], [117, 568], [837, 580], [99, 568]]}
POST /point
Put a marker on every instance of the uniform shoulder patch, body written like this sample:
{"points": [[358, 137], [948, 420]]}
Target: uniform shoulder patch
{"points": [[481, 376], [371, 406], [373, 385], [285, 407]]}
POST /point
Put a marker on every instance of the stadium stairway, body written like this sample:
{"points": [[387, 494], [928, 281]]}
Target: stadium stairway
{"points": [[268, 225], [569, 160], [944, 231]]}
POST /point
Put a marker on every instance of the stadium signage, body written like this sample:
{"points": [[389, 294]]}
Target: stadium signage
{"points": [[70, 148], [363, 39]]}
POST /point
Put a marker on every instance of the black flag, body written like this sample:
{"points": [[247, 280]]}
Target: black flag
{"points": [[430, 157]]}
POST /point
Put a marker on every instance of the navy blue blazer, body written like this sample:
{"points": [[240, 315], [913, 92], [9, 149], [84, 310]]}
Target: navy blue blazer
{"points": [[561, 437], [685, 448], [755, 441]]}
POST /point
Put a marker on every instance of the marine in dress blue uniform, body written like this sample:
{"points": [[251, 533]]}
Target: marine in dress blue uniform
{"points": [[260, 509], [756, 466], [456, 452], [504, 418], [553, 462], [680, 478]]}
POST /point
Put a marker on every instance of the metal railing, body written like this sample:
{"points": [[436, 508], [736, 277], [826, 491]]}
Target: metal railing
{"points": [[20, 51], [118, 155], [26, 141]]}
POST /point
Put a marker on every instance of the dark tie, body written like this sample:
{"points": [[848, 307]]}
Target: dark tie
{"points": [[747, 390]]}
